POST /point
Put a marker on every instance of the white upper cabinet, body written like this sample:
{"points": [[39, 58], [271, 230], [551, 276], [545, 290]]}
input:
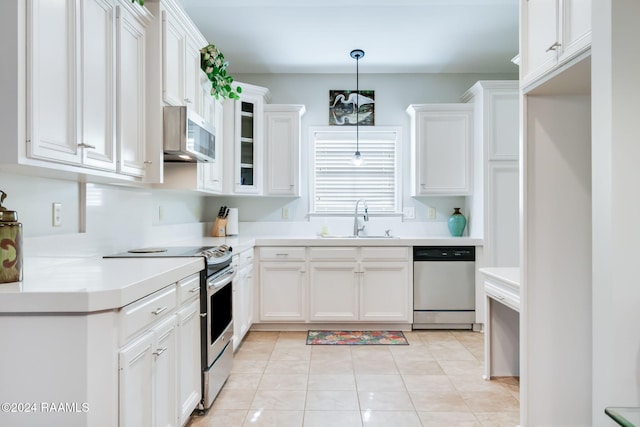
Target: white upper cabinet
{"points": [[282, 141], [244, 140], [552, 33], [71, 85], [441, 149], [131, 111], [51, 87], [181, 44]]}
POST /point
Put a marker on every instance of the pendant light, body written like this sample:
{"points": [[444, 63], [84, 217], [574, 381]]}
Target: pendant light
{"points": [[357, 160]]}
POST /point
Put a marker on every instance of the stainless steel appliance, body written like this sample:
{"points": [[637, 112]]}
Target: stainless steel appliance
{"points": [[443, 287], [216, 311], [187, 136]]}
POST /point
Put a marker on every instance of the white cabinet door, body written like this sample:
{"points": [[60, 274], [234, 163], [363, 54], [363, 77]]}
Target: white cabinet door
{"points": [[282, 142], [71, 82], [552, 32], [188, 359], [282, 291], [333, 291], [576, 28], [540, 37], [244, 140], [131, 140], [441, 149], [192, 88], [174, 45], [503, 215], [136, 382], [51, 81], [242, 304], [385, 292], [212, 172], [165, 354], [96, 102]]}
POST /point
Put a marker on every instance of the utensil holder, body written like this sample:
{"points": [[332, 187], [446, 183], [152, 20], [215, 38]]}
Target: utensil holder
{"points": [[219, 227]]}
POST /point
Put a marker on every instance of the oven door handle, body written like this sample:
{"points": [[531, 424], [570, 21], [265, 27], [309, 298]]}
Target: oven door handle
{"points": [[218, 282]]}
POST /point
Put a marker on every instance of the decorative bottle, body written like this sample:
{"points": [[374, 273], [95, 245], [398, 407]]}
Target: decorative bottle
{"points": [[456, 223], [10, 244]]}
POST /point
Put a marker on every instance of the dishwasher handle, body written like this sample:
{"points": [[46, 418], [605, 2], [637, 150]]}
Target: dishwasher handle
{"points": [[444, 253]]}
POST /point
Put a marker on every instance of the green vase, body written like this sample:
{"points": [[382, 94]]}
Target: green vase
{"points": [[456, 223]]}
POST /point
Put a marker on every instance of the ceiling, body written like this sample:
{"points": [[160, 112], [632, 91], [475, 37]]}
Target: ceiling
{"points": [[398, 36]]}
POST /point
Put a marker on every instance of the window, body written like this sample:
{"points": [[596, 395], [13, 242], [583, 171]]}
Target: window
{"points": [[336, 184]]}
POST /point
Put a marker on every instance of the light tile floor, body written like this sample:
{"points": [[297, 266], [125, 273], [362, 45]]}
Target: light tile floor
{"points": [[278, 380]]}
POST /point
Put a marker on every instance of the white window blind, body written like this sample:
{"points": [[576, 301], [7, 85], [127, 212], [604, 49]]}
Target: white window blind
{"points": [[337, 184]]}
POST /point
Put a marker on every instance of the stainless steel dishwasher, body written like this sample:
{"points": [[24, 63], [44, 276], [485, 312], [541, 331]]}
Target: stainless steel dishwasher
{"points": [[444, 287]]}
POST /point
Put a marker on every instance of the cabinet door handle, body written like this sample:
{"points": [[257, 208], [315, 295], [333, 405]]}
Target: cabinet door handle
{"points": [[159, 351], [148, 162], [187, 100], [193, 290], [160, 310], [83, 145], [554, 46]]}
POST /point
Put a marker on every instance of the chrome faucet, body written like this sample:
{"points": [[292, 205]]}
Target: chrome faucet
{"points": [[356, 229]]}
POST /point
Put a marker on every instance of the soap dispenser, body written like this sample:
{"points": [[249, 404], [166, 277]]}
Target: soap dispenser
{"points": [[10, 244]]}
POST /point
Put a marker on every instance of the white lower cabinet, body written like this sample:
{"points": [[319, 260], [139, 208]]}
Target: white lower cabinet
{"points": [[345, 284], [282, 291], [242, 296], [159, 364], [189, 380], [384, 294], [333, 291], [148, 377]]}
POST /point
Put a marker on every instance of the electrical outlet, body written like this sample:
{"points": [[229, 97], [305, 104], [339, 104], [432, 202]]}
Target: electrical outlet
{"points": [[285, 213], [56, 214], [431, 213]]}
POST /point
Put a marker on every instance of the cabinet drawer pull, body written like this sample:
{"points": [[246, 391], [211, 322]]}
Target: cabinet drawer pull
{"points": [[196, 289], [159, 351], [282, 254], [160, 310], [554, 46], [83, 145]]}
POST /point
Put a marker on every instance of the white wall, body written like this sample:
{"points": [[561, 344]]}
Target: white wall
{"points": [[616, 202], [393, 94]]}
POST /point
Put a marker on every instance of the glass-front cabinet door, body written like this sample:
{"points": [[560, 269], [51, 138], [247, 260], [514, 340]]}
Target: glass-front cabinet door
{"points": [[248, 139]]}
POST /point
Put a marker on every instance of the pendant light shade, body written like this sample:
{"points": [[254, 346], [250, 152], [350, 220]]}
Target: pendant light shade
{"points": [[357, 159]]}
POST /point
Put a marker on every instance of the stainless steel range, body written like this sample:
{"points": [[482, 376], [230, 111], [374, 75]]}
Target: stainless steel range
{"points": [[216, 311]]}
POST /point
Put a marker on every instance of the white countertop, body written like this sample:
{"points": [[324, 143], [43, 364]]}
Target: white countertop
{"points": [[58, 285], [90, 284], [509, 275]]}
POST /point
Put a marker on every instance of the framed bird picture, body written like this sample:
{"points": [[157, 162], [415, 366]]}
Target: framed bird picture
{"points": [[348, 106]]}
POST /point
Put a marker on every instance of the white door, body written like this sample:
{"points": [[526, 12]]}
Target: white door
{"points": [[136, 382], [333, 288], [282, 291], [385, 291], [188, 359], [51, 81], [539, 37], [165, 377], [96, 93], [131, 40], [173, 60], [282, 142]]}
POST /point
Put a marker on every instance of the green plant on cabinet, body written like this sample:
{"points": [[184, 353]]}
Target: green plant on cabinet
{"points": [[215, 67]]}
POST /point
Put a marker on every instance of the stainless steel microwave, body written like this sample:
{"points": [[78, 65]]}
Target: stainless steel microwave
{"points": [[187, 136]]}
